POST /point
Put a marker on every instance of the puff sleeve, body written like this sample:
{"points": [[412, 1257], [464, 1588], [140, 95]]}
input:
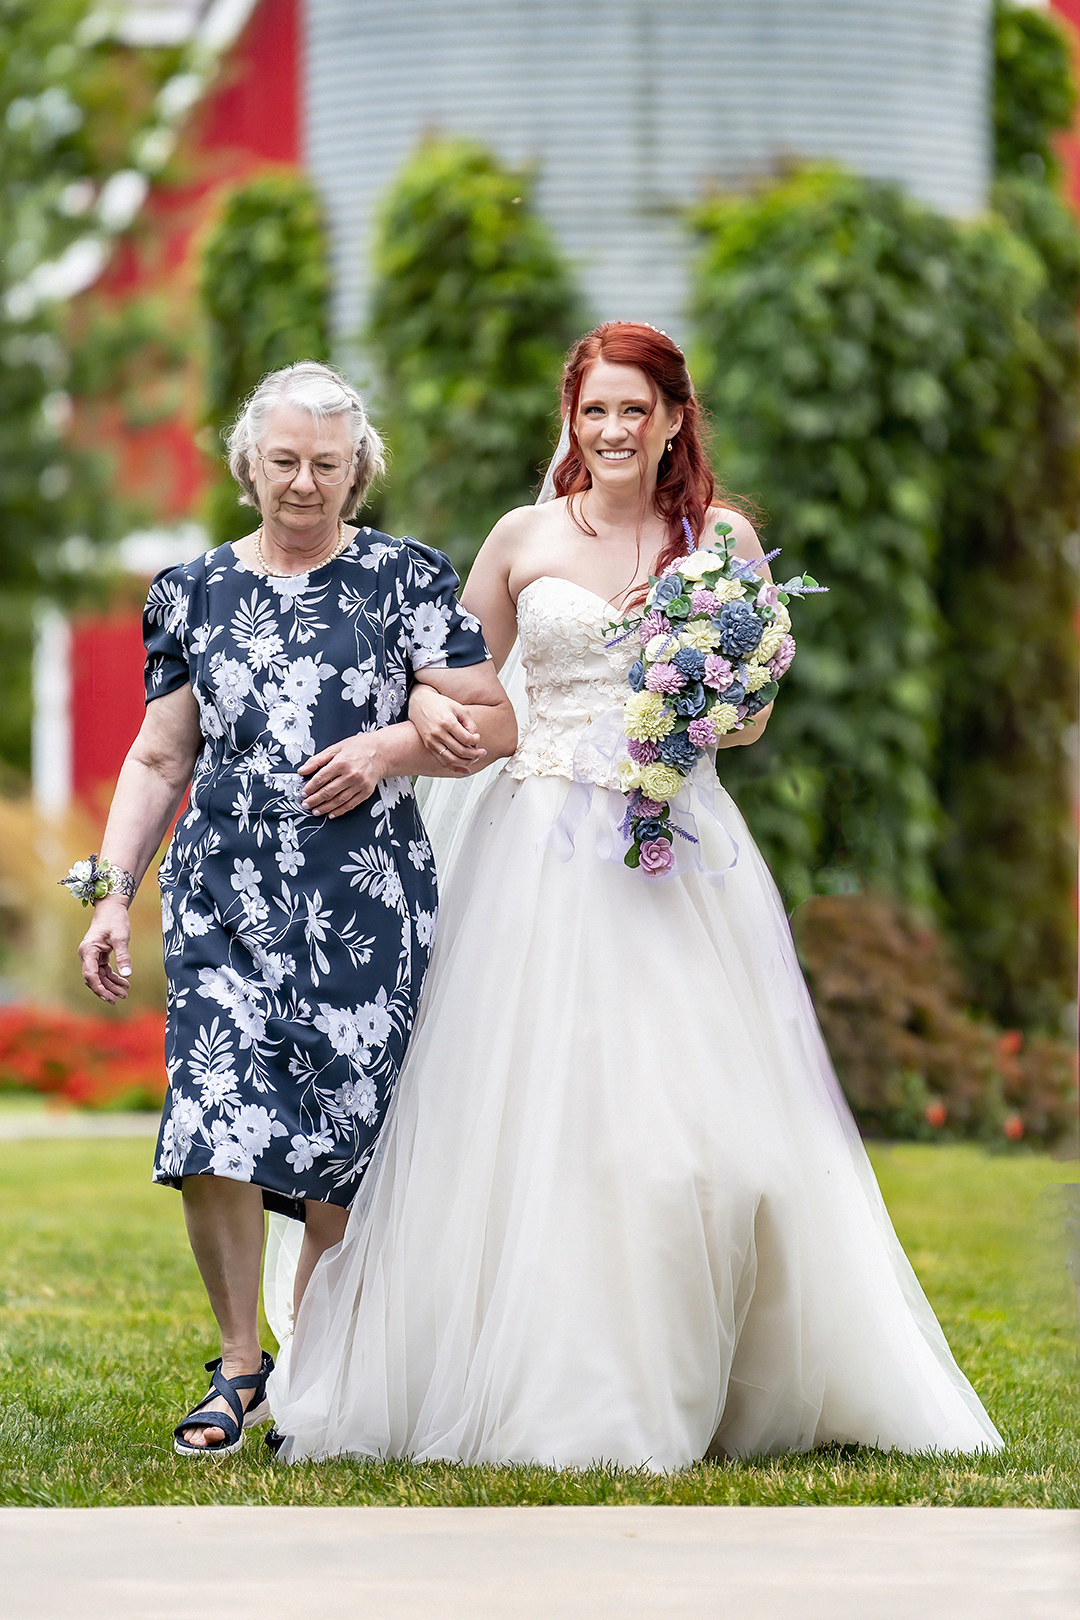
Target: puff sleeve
{"points": [[437, 632], [167, 632]]}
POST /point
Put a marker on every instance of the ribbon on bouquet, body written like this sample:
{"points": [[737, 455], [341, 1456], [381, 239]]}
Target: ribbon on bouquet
{"points": [[596, 761]]}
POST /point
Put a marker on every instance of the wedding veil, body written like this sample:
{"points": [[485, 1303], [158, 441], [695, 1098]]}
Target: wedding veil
{"points": [[447, 802]]}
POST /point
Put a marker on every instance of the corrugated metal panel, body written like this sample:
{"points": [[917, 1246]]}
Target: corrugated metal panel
{"points": [[631, 108]]}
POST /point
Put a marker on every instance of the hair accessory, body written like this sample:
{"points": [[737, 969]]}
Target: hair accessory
{"points": [[91, 880]]}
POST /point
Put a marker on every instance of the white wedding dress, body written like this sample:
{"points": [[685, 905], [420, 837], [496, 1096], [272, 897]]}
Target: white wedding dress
{"points": [[619, 1209]]}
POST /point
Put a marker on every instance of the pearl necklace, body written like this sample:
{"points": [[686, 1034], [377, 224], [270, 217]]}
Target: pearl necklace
{"points": [[273, 573]]}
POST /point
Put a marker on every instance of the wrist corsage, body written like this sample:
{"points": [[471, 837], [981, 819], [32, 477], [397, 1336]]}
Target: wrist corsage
{"points": [[715, 643], [91, 880]]}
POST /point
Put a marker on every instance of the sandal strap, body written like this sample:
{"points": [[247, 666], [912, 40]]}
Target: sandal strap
{"points": [[255, 1381], [228, 1389], [198, 1419]]}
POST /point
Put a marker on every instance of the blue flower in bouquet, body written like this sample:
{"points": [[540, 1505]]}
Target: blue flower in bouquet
{"points": [[648, 828], [677, 750], [666, 590], [754, 703], [636, 675], [691, 663], [734, 692], [739, 629], [690, 701]]}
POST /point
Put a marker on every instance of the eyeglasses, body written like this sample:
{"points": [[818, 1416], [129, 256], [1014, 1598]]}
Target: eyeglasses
{"points": [[328, 470]]}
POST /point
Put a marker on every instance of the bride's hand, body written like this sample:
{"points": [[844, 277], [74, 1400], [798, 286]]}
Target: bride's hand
{"points": [[446, 728]]}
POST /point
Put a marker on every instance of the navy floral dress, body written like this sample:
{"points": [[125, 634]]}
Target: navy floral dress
{"points": [[295, 946]]}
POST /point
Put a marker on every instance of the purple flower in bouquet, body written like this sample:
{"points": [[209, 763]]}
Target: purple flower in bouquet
{"points": [[657, 855], [700, 733], [780, 662], [689, 662], [717, 672], [767, 596], [703, 601], [653, 624], [690, 701], [636, 675], [649, 807], [677, 750], [642, 753], [739, 629], [664, 678]]}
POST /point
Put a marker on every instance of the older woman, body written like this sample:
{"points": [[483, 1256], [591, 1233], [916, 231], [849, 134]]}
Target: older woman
{"points": [[298, 893]]}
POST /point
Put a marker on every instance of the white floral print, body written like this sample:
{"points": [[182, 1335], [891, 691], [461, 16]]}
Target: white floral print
{"points": [[295, 947]]}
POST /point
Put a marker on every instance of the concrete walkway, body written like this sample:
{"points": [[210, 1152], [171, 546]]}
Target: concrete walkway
{"points": [[582, 1563], [25, 1124]]}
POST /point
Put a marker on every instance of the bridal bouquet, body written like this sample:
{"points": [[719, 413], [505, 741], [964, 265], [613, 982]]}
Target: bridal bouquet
{"points": [[715, 642]]}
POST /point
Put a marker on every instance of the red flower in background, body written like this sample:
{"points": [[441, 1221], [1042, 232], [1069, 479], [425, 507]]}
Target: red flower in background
{"points": [[83, 1060]]}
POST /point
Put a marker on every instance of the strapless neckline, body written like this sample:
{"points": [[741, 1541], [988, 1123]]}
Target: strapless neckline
{"points": [[560, 579]]}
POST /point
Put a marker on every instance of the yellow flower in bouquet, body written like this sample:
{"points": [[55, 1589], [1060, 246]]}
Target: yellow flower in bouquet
{"points": [[648, 719], [769, 644], [661, 782], [724, 717], [728, 590], [757, 676], [699, 634], [661, 649]]}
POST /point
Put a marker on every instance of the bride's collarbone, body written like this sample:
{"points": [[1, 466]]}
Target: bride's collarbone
{"points": [[613, 587]]}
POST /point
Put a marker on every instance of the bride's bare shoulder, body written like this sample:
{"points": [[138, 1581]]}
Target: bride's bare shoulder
{"points": [[521, 530], [523, 522], [747, 543]]}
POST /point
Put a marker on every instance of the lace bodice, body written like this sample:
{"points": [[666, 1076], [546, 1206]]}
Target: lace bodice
{"points": [[571, 676]]}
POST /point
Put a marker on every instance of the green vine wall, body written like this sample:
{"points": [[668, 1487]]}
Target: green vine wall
{"points": [[472, 312]]}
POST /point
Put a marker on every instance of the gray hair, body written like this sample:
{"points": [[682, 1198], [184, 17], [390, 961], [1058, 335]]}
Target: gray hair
{"points": [[310, 386]]}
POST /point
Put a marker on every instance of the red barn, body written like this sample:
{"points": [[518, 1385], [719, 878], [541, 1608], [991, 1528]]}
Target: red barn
{"points": [[245, 116]]}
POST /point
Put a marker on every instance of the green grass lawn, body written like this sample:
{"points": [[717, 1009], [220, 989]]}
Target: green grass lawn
{"points": [[103, 1329]]}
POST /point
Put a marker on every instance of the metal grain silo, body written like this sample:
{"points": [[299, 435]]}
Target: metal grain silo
{"points": [[631, 108]]}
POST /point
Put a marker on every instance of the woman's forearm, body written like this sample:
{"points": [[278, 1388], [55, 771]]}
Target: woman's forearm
{"points": [[144, 804], [404, 753]]}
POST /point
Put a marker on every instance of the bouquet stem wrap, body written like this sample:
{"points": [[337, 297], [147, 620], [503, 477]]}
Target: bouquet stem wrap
{"points": [[596, 760]]}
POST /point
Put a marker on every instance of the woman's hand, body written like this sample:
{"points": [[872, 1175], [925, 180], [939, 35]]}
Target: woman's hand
{"points": [[110, 932], [446, 728], [344, 775]]}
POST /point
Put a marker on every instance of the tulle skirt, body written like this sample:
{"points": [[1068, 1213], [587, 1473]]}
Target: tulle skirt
{"points": [[619, 1211]]}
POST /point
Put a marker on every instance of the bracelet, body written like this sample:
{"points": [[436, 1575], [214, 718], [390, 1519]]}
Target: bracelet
{"points": [[91, 880]]}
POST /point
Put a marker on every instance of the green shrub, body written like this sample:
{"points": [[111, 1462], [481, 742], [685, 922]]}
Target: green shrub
{"points": [[1034, 93], [900, 392], [825, 312], [912, 1060], [264, 285], [472, 312], [1007, 587]]}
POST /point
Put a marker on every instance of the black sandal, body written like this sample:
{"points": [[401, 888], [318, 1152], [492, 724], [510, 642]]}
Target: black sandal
{"points": [[233, 1422]]}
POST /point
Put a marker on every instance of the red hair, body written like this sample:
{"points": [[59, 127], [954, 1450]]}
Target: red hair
{"points": [[685, 487]]}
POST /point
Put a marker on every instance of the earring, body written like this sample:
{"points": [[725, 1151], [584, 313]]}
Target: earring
{"points": [[669, 447]]}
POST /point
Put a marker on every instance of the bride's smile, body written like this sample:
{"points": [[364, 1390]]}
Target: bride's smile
{"points": [[623, 429]]}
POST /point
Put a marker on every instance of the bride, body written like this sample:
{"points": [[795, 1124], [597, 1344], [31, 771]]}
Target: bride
{"points": [[620, 1210]]}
